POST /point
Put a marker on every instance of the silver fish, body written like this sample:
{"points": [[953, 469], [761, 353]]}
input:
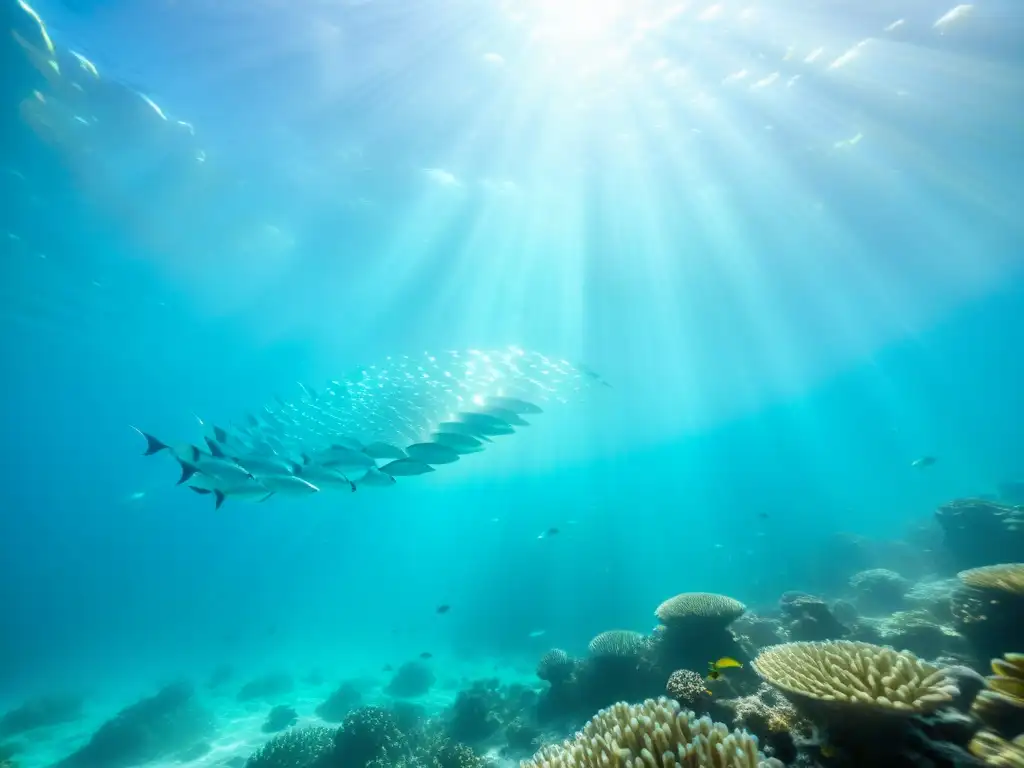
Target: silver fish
{"points": [[458, 443], [507, 416], [380, 450], [486, 424], [406, 468], [461, 428], [513, 404], [432, 453], [376, 479]]}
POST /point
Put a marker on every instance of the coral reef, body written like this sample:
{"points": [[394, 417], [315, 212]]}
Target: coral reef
{"points": [[556, 667], [916, 631], [297, 748], [613, 669], [1000, 704], [342, 700], [808, 618], [368, 735], [754, 632], [770, 716], [687, 687], [156, 727], [935, 597], [988, 609], [694, 631], [879, 591], [270, 686], [847, 689], [978, 532], [657, 734], [414, 678], [280, 717], [40, 713]]}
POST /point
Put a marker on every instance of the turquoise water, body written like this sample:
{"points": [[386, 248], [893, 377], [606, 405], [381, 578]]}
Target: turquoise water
{"points": [[786, 234]]}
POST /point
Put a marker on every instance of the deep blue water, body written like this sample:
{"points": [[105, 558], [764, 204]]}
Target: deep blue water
{"points": [[787, 322]]}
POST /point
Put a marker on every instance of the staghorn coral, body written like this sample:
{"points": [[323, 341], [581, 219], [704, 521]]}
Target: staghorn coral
{"points": [[1000, 704], [618, 644], [686, 686], [700, 608], [657, 734], [297, 748], [997, 751], [771, 717], [367, 735], [843, 673], [556, 666]]}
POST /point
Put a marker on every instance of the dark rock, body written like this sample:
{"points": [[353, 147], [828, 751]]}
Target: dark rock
{"points": [[153, 728], [279, 718], [412, 679], [978, 532], [267, 687], [342, 700], [40, 713]]}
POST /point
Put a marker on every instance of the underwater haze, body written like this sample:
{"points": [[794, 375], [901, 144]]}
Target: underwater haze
{"points": [[366, 351]]}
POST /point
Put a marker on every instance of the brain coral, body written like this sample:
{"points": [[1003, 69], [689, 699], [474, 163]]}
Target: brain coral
{"points": [[555, 666], [852, 674], [617, 643], [655, 734], [699, 608]]}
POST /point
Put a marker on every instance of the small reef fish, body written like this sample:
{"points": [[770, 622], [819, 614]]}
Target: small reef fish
{"points": [[548, 533], [443, 608], [924, 461], [426, 655], [398, 419], [537, 633], [726, 662]]}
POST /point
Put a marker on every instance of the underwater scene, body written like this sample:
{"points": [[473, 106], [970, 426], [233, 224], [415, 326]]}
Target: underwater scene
{"points": [[511, 383]]}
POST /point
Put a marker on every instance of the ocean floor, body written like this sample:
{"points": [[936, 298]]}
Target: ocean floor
{"points": [[238, 725]]}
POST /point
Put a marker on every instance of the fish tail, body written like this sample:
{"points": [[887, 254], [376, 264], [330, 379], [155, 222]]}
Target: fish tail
{"points": [[187, 470], [218, 499], [152, 444]]}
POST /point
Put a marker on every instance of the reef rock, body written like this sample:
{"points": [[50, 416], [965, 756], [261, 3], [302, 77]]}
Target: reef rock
{"points": [[978, 532]]}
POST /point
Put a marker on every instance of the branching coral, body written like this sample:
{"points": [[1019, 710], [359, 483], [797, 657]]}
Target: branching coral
{"points": [[297, 748], [686, 686], [861, 675], [656, 734]]}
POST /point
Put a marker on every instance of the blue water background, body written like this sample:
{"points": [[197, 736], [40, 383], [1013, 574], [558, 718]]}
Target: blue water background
{"points": [[790, 362]]}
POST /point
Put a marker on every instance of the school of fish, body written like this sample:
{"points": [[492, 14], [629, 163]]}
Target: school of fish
{"points": [[398, 419]]}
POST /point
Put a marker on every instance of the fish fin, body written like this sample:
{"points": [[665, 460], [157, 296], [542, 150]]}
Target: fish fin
{"points": [[152, 444], [306, 460], [267, 496], [187, 470], [220, 434], [352, 485], [203, 491], [219, 499], [295, 467], [194, 452], [215, 449]]}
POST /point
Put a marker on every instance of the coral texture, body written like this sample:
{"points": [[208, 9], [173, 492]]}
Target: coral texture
{"points": [[700, 608], [656, 734], [858, 674]]}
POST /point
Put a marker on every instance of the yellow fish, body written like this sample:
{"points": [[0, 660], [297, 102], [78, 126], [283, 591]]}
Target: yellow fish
{"points": [[715, 667]]}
